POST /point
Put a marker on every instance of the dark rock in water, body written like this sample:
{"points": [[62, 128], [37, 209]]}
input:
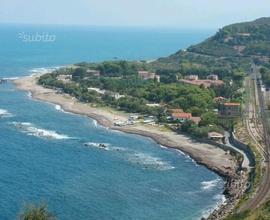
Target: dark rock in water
{"points": [[3, 81], [102, 145]]}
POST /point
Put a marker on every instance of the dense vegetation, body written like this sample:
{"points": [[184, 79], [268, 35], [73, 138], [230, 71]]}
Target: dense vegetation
{"points": [[265, 73], [230, 50], [261, 213], [243, 39]]}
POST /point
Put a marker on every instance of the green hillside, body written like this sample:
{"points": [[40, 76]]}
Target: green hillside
{"points": [[229, 51], [242, 39]]}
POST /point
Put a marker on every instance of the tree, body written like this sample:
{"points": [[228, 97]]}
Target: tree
{"points": [[39, 212]]}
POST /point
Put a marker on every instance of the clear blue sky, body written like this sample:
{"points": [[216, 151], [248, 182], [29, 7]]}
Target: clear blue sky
{"points": [[171, 13]]}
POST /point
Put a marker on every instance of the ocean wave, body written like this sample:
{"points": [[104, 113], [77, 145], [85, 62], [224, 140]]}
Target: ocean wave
{"points": [[31, 129], [11, 78], [29, 95], [95, 123], [44, 70], [137, 158], [209, 185], [5, 114], [220, 200], [149, 162], [59, 108]]}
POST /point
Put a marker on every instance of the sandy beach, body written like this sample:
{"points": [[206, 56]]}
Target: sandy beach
{"points": [[205, 154]]}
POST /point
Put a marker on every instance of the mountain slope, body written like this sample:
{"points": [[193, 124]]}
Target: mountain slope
{"points": [[241, 39], [234, 45]]}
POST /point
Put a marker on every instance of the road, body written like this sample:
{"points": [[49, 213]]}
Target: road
{"points": [[262, 139]]}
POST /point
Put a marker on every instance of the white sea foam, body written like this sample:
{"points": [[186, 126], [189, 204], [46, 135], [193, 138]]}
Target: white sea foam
{"points": [[29, 95], [5, 114], [220, 200], [43, 70], [59, 108], [162, 146], [148, 161], [31, 129], [11, 78], [209, 185], [95, 123]]}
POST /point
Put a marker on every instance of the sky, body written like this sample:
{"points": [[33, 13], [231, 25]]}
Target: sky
{"points": [[161, 13]]}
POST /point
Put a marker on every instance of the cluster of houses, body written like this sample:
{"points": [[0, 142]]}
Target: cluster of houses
{"points": [[226, 109], [209, 81]]}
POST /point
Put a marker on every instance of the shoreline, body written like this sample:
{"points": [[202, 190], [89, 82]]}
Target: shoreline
{"points": [[210, 156]]}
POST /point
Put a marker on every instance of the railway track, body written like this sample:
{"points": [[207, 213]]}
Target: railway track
{"points": [[260, 135]]}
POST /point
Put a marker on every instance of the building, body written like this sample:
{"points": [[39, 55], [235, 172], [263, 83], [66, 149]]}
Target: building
{"points": [[182, 116], [212, 77], [202, 82], [192, 77], [196, 120], [215, 136], [146, 75], [230, 109]]}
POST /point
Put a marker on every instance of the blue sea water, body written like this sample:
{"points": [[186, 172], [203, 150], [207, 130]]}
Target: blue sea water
{"points": [[43, 156]]}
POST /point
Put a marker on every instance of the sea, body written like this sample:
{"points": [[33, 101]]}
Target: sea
{"points": [[53, 157]]}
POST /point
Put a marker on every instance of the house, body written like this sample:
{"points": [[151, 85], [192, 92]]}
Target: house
{"points": [[117, 96], [114, 95], [212, 77], [196, 120], [146, 75], [192, 77], [230, 109], [206, 83], [182, 116], [97, 90], [194, 80], [215, 136], [153, 105]]}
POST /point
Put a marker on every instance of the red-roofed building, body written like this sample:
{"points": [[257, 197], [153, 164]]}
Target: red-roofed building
{"points": [[230, 109], [182, 116]]}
